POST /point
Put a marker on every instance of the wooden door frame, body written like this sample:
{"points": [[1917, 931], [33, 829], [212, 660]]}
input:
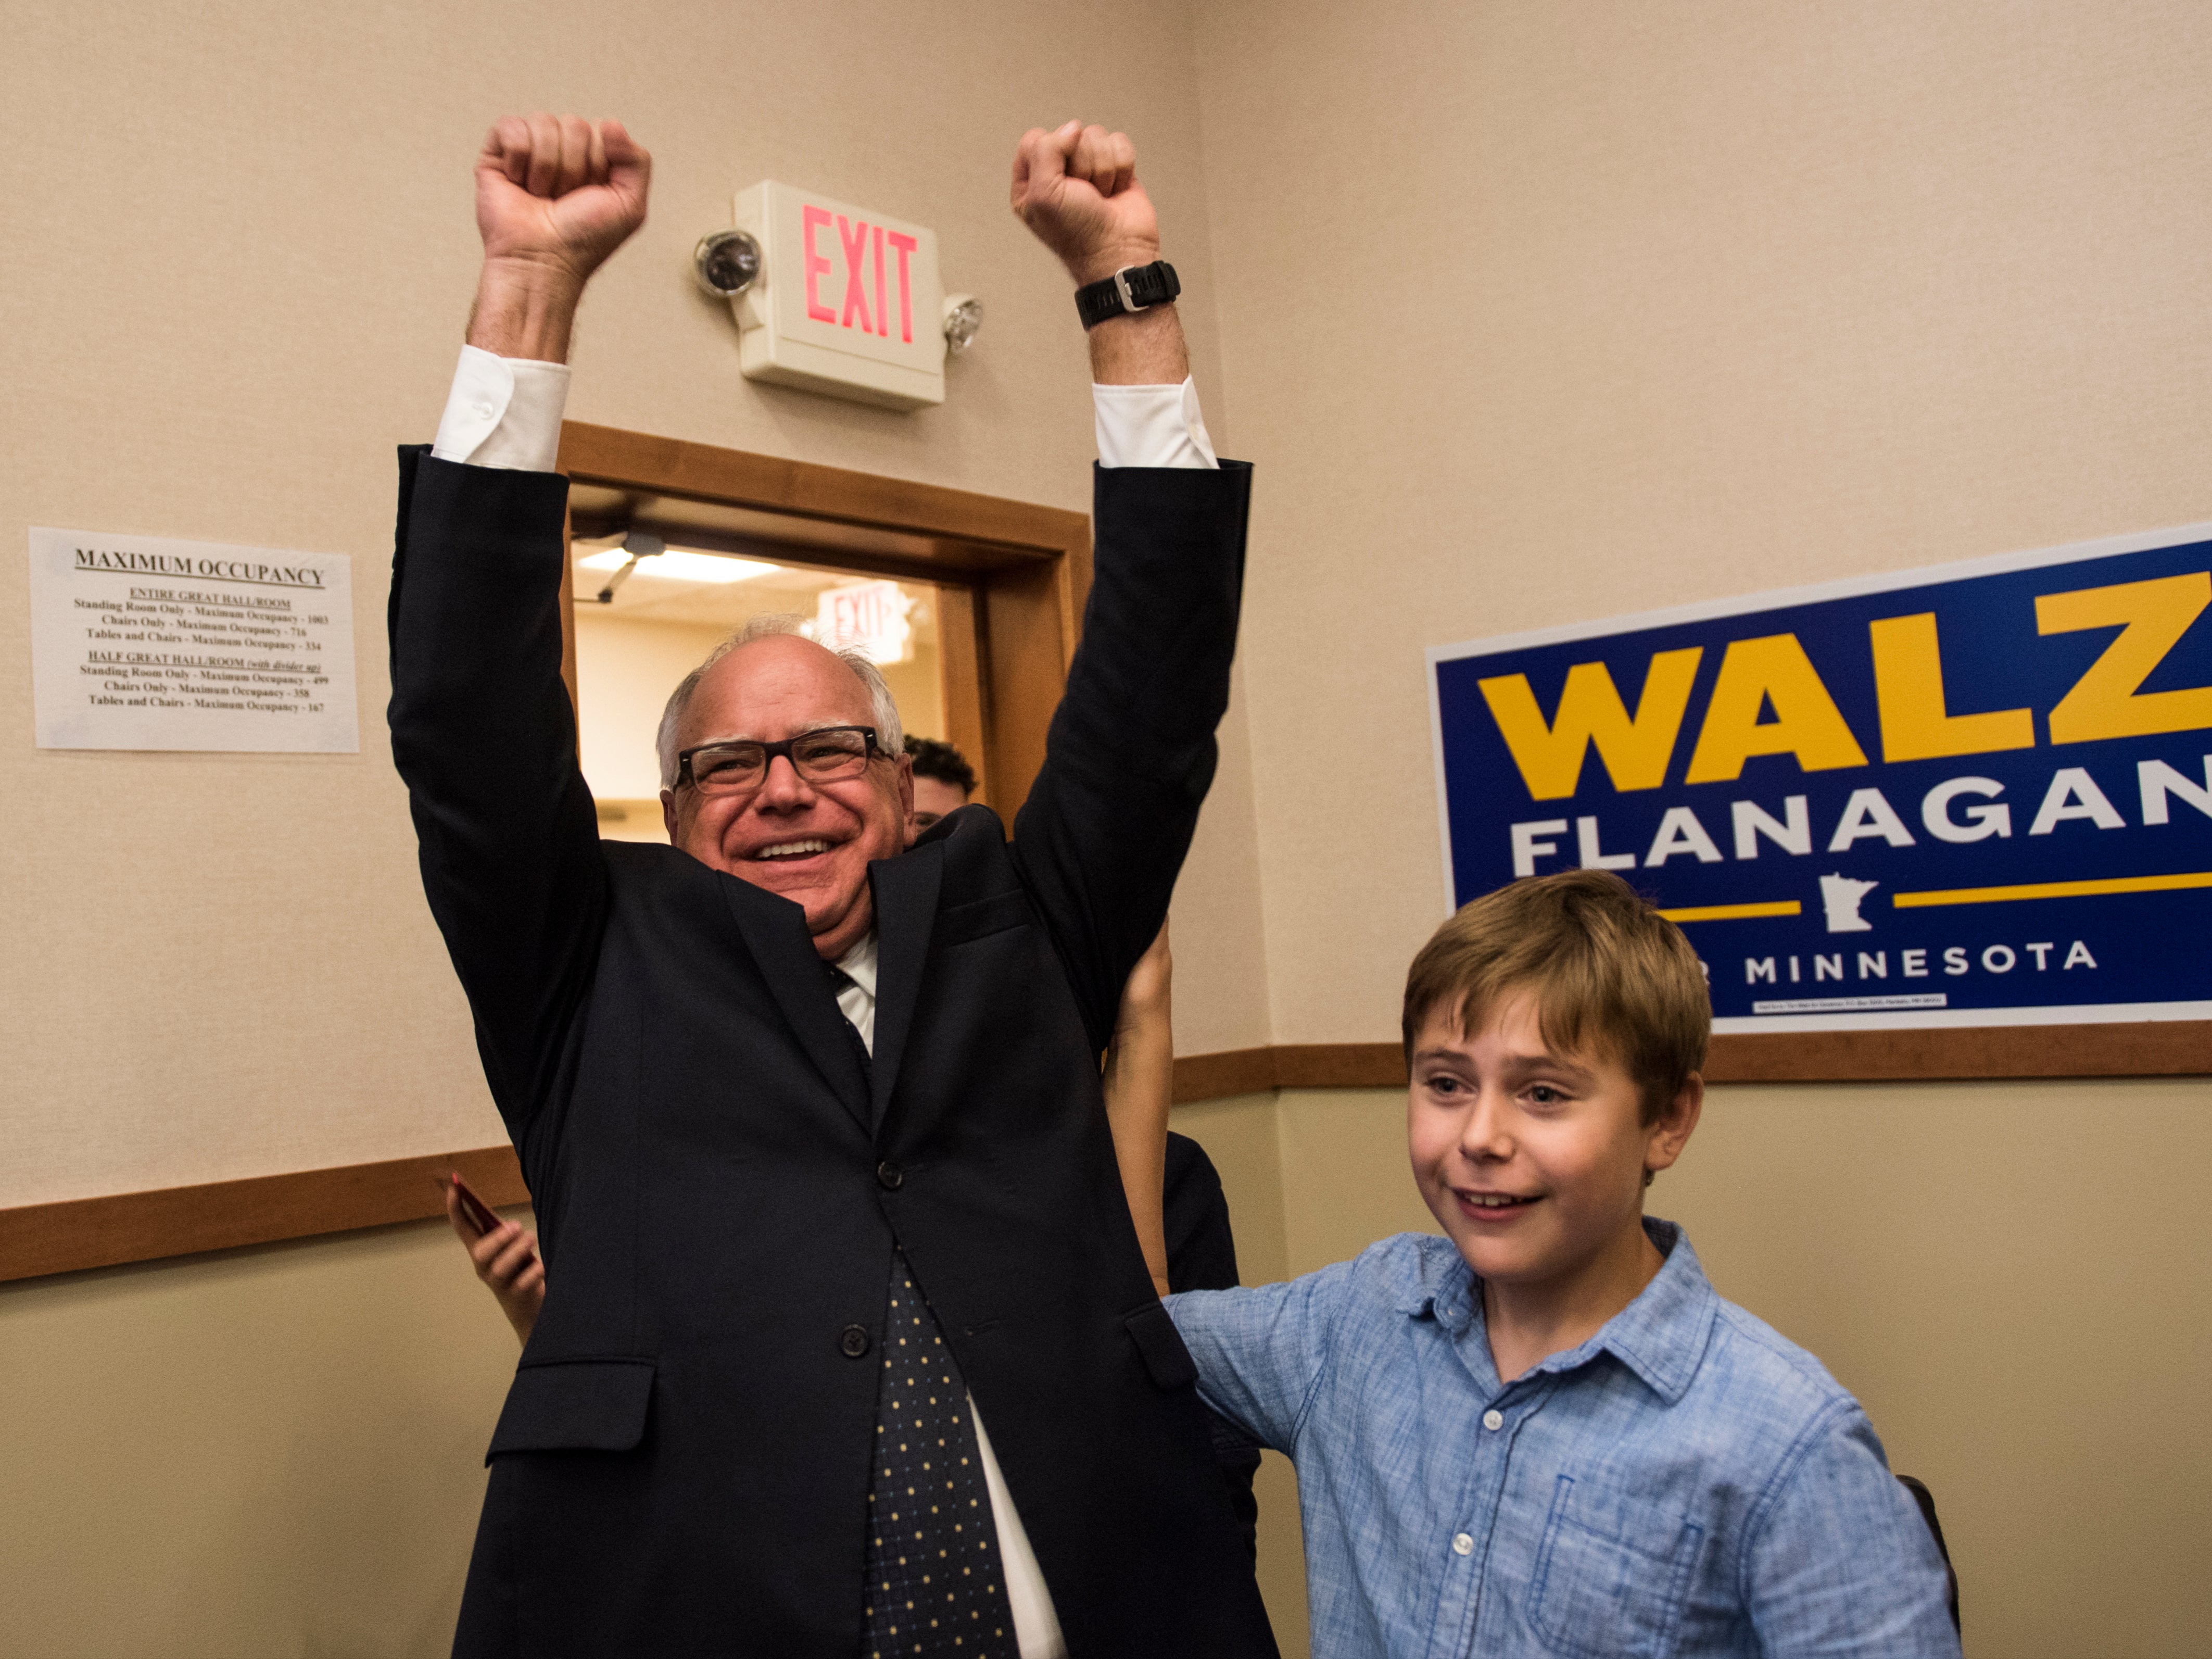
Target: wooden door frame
{"points": [[1012, 576]]}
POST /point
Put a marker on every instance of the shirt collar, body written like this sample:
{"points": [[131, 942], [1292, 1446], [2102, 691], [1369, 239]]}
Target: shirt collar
{"points": [[1660, 1335], [859, 963]]}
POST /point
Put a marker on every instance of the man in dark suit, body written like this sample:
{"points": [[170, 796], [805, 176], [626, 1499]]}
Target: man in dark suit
{"points": [[850, 1344]]}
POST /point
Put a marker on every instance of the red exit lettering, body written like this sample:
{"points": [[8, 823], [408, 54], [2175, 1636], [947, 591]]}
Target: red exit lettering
{"points": [[857, 239]]}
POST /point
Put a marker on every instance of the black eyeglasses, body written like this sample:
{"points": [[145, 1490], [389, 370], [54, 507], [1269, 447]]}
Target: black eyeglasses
{"points": [[738, 769]]}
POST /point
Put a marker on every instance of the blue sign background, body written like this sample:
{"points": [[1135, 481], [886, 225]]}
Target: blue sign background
{"points": [[2126, 949]]}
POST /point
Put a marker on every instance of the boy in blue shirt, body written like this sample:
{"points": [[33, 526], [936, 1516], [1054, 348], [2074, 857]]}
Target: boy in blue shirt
{"points": [[1544, 1433]]}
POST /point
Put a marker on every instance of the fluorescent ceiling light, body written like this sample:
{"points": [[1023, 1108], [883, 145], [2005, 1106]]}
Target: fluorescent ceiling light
{"points": [[676, 566]]}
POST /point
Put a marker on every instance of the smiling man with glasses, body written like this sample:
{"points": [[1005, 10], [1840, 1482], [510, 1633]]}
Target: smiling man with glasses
{"points": [[785, 764], [849, 1343]]}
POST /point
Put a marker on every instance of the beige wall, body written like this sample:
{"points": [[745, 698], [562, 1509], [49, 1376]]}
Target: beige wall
{"points": [[273, 1453], [1529, 314], [1532, 314], [1566, 311], [243, 254]]}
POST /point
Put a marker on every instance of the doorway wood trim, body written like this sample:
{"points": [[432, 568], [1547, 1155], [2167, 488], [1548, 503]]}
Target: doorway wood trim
{"points": [[1011, 578]]}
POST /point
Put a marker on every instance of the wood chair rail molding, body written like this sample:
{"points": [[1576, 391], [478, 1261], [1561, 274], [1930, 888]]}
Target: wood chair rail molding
{"points": [[38, 1239], [2004, 1053]]}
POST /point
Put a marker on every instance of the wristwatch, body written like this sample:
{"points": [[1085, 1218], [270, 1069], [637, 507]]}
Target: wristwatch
{"points": [[1132, 287]]}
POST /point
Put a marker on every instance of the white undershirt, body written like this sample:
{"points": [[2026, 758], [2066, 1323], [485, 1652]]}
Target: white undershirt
{"points": [[1036, 1623], [506, 412]]}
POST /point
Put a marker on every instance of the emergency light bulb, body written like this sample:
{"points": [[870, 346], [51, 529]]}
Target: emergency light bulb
{"points": [[964, 316]]}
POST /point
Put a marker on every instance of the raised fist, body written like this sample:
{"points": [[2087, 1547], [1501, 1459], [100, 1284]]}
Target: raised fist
{"points": [[559, 192], [1077, 189]]}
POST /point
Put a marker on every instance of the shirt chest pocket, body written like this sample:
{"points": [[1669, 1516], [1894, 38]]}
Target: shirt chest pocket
{"points": [[1599, 1595]]}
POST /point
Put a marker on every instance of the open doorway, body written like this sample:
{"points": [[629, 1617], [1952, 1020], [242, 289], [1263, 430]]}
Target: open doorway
{"points": [[646, 612], [971, 603]]}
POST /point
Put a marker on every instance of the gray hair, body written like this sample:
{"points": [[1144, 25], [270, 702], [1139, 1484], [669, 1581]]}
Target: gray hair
{"points": [[891, 736]]}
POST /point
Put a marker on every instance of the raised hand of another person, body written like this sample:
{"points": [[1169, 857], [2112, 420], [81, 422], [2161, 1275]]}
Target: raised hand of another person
{"points": [[506, 1261], [1139, 1085], [1146, 998], [554, 196]]}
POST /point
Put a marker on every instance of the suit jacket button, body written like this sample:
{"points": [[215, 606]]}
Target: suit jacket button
{"points": [[890, 1174], [854, 1342]]}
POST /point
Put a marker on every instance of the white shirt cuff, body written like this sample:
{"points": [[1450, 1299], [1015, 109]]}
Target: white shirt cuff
{"points": [[1152, 426], [503, 411]]}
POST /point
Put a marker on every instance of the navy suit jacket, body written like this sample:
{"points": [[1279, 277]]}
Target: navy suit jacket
{"points": [[682, 1464]]}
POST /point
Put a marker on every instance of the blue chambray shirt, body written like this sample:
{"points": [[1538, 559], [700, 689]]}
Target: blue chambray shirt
{"points": [[1686, 1482]]}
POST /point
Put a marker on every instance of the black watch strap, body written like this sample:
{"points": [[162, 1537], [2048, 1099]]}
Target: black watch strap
{"points": [[1132, 287]]}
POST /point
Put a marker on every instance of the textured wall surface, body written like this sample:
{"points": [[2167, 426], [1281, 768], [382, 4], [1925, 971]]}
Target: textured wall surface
{"points": [[1535, 315], [1528, 314], [1532, 314], [246, 251], [270, 1454]]}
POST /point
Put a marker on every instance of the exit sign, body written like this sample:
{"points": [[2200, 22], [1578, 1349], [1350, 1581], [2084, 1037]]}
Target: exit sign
{"points": [[847, 302], [867, 617]]}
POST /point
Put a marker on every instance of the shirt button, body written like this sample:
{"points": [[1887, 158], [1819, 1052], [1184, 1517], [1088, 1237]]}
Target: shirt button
{"points": [[890, 1175], [485, 411], [1463, 1545], [1493, 1419], [855, 1341]]}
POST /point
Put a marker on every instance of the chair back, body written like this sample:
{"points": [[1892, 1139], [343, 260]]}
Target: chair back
{"points": [[1926, 1499]]}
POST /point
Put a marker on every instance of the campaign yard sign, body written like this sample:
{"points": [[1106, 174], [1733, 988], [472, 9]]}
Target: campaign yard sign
{"points": [[1979, 794]]}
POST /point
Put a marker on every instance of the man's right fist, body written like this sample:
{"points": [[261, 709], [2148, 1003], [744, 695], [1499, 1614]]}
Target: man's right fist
{"points": [[556, 192]]}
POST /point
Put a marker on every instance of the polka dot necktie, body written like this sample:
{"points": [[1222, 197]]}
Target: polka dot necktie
{"points": [[935, 1584]]}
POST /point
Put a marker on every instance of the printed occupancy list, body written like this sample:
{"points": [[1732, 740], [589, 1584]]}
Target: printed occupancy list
{"points": [[141, 642]]}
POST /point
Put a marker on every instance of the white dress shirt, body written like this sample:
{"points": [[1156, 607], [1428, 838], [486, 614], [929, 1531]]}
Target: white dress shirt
{"points": [[506, 412], [1036, 1622]]}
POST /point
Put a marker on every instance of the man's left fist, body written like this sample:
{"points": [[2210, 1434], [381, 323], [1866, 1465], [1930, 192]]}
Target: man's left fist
{"points": [[1077, 189]]}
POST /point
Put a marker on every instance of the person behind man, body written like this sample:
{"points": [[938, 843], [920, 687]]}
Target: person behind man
{"points": [[849, 1343], [943, 781], [1544, 1433]]}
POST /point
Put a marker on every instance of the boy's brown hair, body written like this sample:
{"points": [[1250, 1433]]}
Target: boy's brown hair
{"points": [[1609, 973]]}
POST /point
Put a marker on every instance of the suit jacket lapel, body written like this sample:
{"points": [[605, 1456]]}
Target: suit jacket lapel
{"points": [[774, 931], [906, 911]]}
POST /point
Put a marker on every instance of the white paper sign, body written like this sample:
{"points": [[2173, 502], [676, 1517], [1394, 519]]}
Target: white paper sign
{"points": [[141, 642]]}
